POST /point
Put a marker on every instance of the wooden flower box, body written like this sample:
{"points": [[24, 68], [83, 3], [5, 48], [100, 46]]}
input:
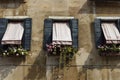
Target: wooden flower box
{"points": [[109, 53]]}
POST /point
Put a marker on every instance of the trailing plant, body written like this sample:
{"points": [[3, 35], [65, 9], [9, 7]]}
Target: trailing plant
{"points": [[65, 53]]}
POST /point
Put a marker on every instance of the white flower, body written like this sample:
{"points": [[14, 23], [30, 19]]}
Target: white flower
{"points": [[4, 53], [5, 50], [22, 53], [119, 47], [19, 49], [17, 54], [15, 50], [7, 53]]}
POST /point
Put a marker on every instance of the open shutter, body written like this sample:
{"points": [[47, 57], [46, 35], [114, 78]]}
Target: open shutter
{"points": [[118, 25], [27, 33], [48, 23], [98, 32], [74, 31], [3, 26]]}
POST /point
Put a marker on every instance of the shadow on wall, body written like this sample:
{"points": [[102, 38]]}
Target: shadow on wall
{"points": [[86, 8], [10, 4], [38, 69], [98, 65], [95, 59], [100, 8], [8, 64], [107, 7]]}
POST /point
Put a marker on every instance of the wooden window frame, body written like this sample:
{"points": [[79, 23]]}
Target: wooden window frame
{"points": [[26, 40], [47, 32]]}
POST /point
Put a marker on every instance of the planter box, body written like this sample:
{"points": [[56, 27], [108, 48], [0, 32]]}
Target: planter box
{"points": [[109, 53]]}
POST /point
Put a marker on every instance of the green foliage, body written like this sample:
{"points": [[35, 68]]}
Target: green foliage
{"points": [[66, 54], [109, 48]]}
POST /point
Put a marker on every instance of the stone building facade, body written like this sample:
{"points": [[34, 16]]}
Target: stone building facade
{"points": [[86, 65]]}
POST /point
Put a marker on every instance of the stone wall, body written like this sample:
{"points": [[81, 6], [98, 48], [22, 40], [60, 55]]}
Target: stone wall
{"points": [[88, 65]]}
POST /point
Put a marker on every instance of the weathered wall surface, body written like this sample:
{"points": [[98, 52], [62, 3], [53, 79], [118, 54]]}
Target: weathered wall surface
{"points": [[33, 67]]}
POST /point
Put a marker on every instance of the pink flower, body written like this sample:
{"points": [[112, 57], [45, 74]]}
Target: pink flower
{"points": [[47, 45]]}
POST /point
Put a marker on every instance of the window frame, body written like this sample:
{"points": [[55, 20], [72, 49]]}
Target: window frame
{"points": [[49, 23], [99, 36], [27, 24]]}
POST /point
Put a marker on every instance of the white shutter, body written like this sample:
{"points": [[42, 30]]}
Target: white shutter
{"points": [[13, 34], [61, 34]]}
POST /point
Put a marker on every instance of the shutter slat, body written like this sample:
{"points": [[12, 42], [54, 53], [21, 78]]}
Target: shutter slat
{"points": [[98, 32], [3, 26], [27, 34], [118, 26], [48, 23], [74, 31]]}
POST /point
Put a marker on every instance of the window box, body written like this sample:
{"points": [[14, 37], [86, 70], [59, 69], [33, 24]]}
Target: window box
{"points": [[14, 51], [54, 49], [109, 50], [65, 53]]}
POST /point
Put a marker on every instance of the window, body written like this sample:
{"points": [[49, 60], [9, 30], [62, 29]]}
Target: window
{"points": [[107, 34], [53, 35], [21, 27]]}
